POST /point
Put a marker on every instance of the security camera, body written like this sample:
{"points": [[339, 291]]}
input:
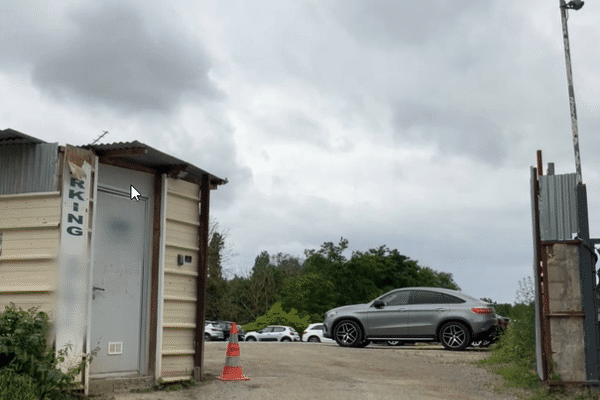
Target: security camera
{"points": [[573, 5]]}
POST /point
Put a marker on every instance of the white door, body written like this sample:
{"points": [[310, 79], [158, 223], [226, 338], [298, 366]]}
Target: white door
{"points": [[118, 278]]}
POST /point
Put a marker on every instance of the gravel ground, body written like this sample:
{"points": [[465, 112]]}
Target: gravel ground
{"points": [[315, 370]]}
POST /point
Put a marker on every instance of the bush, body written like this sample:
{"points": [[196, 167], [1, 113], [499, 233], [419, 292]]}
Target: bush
{"points": [[276, 316], [16, 387], [24, 350], [517, 344]]}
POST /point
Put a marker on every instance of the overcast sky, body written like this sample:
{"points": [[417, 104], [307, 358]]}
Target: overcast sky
{"points": [[411, 124]]}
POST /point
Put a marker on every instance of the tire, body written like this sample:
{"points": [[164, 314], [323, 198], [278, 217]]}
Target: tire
{"points": [[394, 343], [286, 339], [207, 337], [314, 339], [455, 336], [250, 339], [348, 333]]}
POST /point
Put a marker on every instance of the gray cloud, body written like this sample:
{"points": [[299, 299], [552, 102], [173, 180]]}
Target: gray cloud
{"points": [[298, 127], [453, 130], [407, 23], [112, 57]]}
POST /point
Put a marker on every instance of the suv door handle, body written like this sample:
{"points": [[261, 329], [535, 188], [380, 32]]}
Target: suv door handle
{"points": [[97, 288], [440, 309], [403, 309]]}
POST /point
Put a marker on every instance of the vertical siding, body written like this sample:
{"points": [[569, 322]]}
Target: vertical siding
{"points": [[179, 302], [28, 255], [28, 168], [558, 207]]}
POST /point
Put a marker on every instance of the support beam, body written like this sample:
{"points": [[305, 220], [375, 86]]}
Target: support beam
{"points": [[202, 272], [155, 276]]}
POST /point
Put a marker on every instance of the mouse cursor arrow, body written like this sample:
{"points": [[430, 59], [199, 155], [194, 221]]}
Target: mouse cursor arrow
{"points": [[134, 193]]}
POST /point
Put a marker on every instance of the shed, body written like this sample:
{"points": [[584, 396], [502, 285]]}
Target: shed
{"points": [[122, 272]]}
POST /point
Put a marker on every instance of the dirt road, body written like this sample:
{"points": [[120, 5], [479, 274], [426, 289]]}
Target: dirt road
{"points": [[290, 371]]}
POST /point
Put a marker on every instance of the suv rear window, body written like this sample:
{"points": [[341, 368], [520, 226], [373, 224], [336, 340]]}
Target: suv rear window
{"points": [[431, 297]]}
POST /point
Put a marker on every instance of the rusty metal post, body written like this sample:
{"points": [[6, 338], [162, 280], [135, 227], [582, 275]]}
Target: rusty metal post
{"points": [[537, 256], [544, 312], [563, 13], [202, 272]]}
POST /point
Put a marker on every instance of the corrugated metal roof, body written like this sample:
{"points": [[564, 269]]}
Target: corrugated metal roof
{"points": [[28, 168], [558, 207], [10, 136], [135, 153], [143, 155]]}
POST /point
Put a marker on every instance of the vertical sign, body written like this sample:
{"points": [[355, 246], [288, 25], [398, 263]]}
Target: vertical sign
{"points": [[73, 262]]}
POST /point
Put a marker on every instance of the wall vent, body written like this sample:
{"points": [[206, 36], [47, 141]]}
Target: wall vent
{"points": [[115, 348]]}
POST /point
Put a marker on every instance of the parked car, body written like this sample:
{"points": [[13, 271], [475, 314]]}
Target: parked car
{"points": [[226, 326], [413, 314], [274, 333], [500, 325], [314, 333], [212, 331]]}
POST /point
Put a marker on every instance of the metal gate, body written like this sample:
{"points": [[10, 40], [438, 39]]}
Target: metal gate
{"points": [[566, 303]]}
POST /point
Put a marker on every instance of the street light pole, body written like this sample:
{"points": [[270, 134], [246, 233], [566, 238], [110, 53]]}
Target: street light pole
{"points": [[575, 5]]}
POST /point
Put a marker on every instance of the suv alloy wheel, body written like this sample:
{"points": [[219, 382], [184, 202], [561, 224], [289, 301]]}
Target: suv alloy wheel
{"points": [[455, 336], [347, 333]]}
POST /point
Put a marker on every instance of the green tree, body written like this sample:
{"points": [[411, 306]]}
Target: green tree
{"points": [[238, 289], [277, 316], [219, 302], [370, 274], [311, 294], [216, 286]]}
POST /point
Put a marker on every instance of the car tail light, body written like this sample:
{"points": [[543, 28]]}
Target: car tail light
{"points": [[482, 310]]}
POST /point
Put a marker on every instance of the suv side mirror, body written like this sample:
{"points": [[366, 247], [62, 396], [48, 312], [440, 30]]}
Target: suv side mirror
{"points": [[378, 303]]}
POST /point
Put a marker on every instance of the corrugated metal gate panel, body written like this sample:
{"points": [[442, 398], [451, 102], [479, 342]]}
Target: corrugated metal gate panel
{"points": [[179, 307], [175, 339], [35, 210], [28, 263], [180, 286], [28, 168], [558, 207]]}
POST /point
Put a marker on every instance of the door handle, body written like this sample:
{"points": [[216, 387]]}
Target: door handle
{"points": [[440, 309], [97, 288], [402, 309]]}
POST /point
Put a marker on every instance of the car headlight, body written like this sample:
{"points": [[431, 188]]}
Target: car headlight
{"points": [[330, 314]]}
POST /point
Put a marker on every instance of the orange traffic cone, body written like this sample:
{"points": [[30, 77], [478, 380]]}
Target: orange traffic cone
{"points": [[231, 370]]}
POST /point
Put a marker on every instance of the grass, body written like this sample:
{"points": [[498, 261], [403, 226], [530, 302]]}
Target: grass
{"points": [[513, 357]]}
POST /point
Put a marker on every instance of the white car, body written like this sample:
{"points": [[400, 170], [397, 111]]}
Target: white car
{"points": [[212, 331], [314, 333], [274, 333]]}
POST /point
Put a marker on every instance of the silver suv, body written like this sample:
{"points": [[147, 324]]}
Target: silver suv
{"points": [[413, 314]]}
